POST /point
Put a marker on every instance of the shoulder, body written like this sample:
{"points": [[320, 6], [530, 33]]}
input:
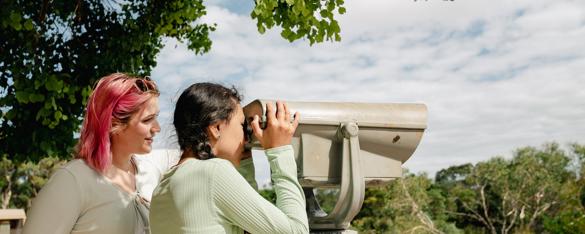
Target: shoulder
{"points": [[192, 175], [67, 178], [78, 174], [78, 168], [200, 171], [222, 166], [209, 166]]}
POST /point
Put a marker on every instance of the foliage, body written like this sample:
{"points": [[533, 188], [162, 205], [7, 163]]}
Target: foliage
{"points": [[21, 182], [327, 198], [268, 194], [503, 196], [535, 191], [299, 18], [565, 222], [403, 206], [52, 52]]}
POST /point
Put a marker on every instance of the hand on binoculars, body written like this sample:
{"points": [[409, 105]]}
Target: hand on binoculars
{"points": [[279, 128]]}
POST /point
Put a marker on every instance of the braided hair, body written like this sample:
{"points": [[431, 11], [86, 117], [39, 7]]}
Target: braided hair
{"points": [[199, 106]]}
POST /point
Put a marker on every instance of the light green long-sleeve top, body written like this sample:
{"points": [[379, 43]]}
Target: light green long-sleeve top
{"points": [[77, 199], [210, 196]]}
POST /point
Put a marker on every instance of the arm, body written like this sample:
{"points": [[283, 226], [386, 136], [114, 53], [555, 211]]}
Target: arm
{"points": [[57, 206], [244, 207]]}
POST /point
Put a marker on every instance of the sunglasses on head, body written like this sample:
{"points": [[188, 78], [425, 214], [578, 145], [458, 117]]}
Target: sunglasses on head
{"points": [[145, 84]]}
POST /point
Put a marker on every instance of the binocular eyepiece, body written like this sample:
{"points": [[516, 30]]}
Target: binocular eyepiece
{"points": [[248, 132]]}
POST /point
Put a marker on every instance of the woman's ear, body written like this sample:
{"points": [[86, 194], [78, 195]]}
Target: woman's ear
{"points": [[213, 130], [116, 128]]}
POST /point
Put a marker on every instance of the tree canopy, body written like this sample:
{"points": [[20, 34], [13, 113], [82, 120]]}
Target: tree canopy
{"points": [[537, 190], [52, 52]]}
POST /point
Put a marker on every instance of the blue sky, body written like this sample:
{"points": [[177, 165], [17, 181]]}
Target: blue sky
{"points": [[495, 75]]}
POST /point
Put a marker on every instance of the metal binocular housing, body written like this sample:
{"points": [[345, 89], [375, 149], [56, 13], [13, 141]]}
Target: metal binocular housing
{"points": [[350, 146]]}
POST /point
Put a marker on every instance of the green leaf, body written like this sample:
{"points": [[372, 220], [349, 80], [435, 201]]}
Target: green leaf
{"points": [[59, 86], [36, 97], [341, 10], [28, 25], [37, 84], [53, 104], [17, 26], [10, 114], [285, 33], [331, 6], [15, 17], [51, 84], [22, 97], [72, 99], [261, 29], [306, 12], [334, 26], [58, 115]]}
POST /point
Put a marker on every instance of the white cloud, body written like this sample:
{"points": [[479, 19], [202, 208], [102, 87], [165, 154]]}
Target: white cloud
{"points": [[495, 75]]}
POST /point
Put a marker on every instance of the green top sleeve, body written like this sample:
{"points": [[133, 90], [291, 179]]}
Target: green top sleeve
{"points": [[241, 205], [60, 195]]}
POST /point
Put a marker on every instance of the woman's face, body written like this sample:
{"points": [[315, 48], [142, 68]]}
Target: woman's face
{"points": [[137, 136], [230, 144]]}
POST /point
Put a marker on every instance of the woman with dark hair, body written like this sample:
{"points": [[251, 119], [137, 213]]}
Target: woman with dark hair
{"points": [[96, 193], [205, 193]]}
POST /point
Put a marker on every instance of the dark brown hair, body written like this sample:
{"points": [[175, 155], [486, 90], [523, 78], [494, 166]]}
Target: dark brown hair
{"points": [[199, 106]]}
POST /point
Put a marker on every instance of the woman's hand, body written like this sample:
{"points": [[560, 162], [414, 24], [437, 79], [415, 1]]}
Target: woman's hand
{"points": [[279, 129]]}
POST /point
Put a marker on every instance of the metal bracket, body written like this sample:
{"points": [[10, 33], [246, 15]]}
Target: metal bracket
{"points": [[352, 189]]}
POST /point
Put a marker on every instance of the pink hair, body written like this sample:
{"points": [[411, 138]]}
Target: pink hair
{"points": [[112, 103]]}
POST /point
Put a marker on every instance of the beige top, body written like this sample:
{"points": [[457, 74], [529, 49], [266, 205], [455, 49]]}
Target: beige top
{"points": [[77, 199]]}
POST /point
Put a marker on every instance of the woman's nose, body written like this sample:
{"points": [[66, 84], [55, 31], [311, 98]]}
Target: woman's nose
{"points": [[156, 127]]}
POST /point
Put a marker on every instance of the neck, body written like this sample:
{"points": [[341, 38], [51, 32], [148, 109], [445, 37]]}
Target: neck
{"points": [[121, 159], [234, 161]]}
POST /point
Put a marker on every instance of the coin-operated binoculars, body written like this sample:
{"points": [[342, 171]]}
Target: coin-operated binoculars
{"points": [[350, 145]]}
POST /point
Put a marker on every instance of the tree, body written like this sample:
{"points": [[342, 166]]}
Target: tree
{"points": [[19, 183], [506, 196], [405, 205], [298, 19], [52, 52], [570, 214]]}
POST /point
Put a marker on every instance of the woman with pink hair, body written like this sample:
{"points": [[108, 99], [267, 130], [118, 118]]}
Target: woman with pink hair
{"points": [[96, 192]]}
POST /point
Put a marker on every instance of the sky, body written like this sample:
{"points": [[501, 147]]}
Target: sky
{"points": [[495, 75]]}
